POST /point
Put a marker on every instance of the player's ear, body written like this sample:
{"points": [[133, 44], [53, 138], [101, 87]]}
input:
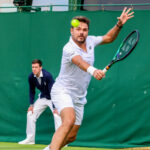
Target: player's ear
{"points": [[71, 31]]}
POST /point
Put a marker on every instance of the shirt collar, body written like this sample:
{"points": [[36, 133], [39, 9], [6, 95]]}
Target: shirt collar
{"points": [[73, 43], [41, 74]]}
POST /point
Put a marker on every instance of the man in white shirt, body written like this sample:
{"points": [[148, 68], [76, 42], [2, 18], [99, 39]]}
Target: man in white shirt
{"points": [[70, 89]]}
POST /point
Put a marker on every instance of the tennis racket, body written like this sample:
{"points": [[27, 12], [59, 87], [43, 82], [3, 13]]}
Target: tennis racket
{"points": [[126, 47]]}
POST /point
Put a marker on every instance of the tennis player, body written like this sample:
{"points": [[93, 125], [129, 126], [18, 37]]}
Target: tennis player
{"points": [[70, 89], [42, 80]]}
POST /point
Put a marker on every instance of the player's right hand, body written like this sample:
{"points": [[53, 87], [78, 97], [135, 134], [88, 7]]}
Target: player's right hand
{"points": [[30, 109], [98, 74]]}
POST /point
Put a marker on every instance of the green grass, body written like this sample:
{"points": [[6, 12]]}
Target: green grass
{"points": [[16, 146]]}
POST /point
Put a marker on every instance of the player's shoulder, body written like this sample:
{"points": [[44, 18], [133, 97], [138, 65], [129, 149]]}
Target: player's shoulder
{"points": [[91, 37], [95, 40], [67, 46], [68, 49]]}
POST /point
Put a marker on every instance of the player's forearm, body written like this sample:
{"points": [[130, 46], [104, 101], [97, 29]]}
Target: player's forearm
{"points": [[77, 60], [113, 33], [83, 65], [98, 74], [86, 67]]}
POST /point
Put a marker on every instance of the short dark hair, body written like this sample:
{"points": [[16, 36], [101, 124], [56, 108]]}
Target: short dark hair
{"points": [[82, 19], [37, 61]]}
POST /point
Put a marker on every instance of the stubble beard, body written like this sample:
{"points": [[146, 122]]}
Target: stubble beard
{"points": [[81, 41]]}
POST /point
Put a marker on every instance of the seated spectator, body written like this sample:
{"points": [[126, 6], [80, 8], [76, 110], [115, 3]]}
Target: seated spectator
{"points": [[23, 3], [5, 4]]}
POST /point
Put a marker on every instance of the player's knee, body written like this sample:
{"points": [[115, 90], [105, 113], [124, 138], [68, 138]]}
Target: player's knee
{"points": [[69, 122]]}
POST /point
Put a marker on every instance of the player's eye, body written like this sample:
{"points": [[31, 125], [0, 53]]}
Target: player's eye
{"points": [[78, 29], [85, 30]]}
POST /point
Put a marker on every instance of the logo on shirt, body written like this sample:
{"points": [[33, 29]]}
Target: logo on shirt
{"points": [[90, 47], [44, 83]]}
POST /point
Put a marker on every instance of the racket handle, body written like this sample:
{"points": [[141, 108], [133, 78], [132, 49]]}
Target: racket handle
{"points": [[104, 70]]}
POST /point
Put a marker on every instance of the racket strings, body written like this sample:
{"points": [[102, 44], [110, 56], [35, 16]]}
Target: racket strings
{"points": [[127, 46]]}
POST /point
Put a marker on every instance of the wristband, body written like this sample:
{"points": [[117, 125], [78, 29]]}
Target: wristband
{"points": [[119, 26], [91, 70], [31, 105]]}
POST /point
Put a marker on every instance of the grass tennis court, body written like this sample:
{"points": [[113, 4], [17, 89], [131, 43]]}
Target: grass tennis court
{"points": [[16, 146], [117, 112]]}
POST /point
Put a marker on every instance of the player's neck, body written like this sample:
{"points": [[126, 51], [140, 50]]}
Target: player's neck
{"points": [[81, 45]]}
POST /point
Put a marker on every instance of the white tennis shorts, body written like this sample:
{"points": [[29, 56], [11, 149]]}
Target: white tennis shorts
{"points": [[61, 99]]}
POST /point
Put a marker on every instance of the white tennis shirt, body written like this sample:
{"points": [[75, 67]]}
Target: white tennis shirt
{"points": [[71, 78]]}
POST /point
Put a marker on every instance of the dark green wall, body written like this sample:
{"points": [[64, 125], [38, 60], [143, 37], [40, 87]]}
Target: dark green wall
{"points": [[117, 113]]}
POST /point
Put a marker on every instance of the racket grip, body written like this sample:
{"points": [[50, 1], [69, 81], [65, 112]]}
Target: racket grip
{"points": [[104, 70]]}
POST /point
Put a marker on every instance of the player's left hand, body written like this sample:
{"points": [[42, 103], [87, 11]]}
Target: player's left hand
{"points": [[126, 14]]}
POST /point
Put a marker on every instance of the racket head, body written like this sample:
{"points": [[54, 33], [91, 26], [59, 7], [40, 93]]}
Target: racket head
{"points": [[127, 46]]}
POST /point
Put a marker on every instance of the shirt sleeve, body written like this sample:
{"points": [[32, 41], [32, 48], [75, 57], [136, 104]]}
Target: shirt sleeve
{"points": [[97, 40], [31, 90], [50, 81], [69, 53]]}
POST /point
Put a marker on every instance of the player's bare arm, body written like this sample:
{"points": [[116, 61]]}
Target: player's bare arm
{"points": [[77, 60], [112, 34], [97, 74]]}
